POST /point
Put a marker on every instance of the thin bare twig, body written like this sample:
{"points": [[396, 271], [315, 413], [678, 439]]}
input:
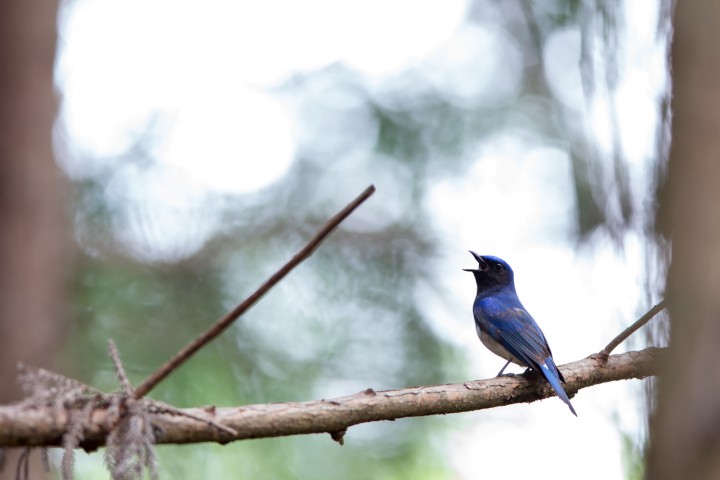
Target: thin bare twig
{"points": [[224, 322], [605, 352], [122, 376], [156, 407]]}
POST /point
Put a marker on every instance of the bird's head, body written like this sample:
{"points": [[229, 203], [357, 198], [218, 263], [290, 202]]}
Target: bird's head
{"points": [[491, 272]]}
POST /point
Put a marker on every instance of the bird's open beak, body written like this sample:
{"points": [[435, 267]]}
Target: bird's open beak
{"points": [[481, 262]]}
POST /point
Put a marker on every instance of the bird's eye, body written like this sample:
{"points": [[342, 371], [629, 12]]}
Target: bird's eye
{"points": [[499, 267]]}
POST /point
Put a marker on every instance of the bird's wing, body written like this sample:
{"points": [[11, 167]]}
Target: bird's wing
{"points": [[523, 338], [513, 327]]}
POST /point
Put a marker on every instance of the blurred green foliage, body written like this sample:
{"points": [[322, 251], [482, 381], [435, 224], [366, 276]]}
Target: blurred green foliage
{"points": [[633, 455]]}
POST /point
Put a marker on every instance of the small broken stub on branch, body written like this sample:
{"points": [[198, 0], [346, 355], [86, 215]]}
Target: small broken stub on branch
{"points": [[339, 436]]}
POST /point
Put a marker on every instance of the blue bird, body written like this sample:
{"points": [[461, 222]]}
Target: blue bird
{"points": [[506, 328]]}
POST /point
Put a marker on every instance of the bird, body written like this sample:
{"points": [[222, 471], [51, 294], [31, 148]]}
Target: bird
{"points": [[504, 325]]}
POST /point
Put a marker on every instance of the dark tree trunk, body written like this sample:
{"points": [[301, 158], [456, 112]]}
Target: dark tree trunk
{"points": [[685, 432], [34, 242]]}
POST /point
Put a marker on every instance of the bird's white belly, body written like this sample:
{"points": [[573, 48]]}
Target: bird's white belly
{"points": [[495, 347]]}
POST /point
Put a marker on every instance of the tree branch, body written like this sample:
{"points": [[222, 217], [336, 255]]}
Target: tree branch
{"points": [[632, 329], [28, 424]]}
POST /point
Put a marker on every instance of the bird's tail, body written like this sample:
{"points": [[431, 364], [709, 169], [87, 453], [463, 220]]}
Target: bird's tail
{"points": [[552, 375]]}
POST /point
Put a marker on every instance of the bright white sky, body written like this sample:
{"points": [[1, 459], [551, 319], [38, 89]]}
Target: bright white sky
{"points": [[124, 59]]}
